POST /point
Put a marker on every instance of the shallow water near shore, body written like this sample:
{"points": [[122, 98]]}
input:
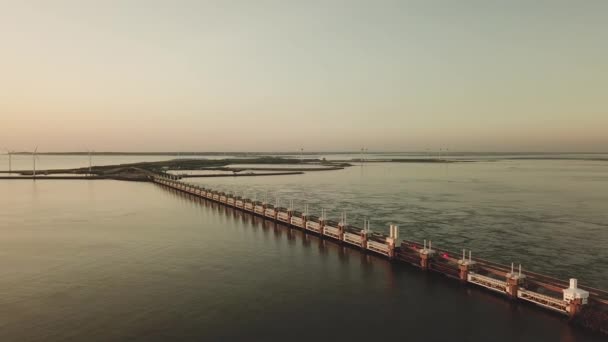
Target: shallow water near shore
{"points": [[111, 260]]}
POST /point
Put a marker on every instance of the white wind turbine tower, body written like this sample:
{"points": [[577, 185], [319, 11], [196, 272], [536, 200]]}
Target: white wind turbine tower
{"points": [[361, 157], [10, 160], [34, 162], [90, 161]]}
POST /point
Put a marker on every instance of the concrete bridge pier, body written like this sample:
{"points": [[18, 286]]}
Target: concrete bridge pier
{"points": [[575, 297], [465, 266], [515, 280], [426, 255]]}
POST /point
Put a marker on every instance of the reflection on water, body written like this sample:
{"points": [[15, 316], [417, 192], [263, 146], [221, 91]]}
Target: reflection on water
{"points": [[109, 260]]}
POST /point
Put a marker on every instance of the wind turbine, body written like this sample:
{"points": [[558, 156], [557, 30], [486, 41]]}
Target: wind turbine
{"points": [[90, 161], [34, 161], [361, 157], [10, 161]]}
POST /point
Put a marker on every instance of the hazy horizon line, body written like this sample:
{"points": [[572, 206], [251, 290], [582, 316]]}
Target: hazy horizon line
{"points": [[294, 152]]}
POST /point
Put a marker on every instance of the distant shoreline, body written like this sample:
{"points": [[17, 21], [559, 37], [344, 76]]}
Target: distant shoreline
{"points": [[411, 153]]}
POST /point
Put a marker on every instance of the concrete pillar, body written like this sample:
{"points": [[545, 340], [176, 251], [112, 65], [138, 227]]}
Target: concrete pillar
{"points": [[391, 249], [514, 280], [321, 225], [575, 298], [424, 261], [464, 272], [342, 226], [426, 256], [392, 240], [512, 287], [574, 307], [465, 266], [363, 239]]}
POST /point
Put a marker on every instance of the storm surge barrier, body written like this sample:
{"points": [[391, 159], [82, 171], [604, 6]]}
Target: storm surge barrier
{"points": [[564, 297]]}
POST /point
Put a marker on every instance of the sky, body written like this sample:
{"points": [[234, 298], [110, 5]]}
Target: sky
{"points": [[319, 75]]}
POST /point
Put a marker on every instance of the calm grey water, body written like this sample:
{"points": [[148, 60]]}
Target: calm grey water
{"points": [[550, 216], [109, 260]]}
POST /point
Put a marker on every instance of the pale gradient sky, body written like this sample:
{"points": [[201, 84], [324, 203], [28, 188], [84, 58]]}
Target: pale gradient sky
{"points": [[324, 75]]}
